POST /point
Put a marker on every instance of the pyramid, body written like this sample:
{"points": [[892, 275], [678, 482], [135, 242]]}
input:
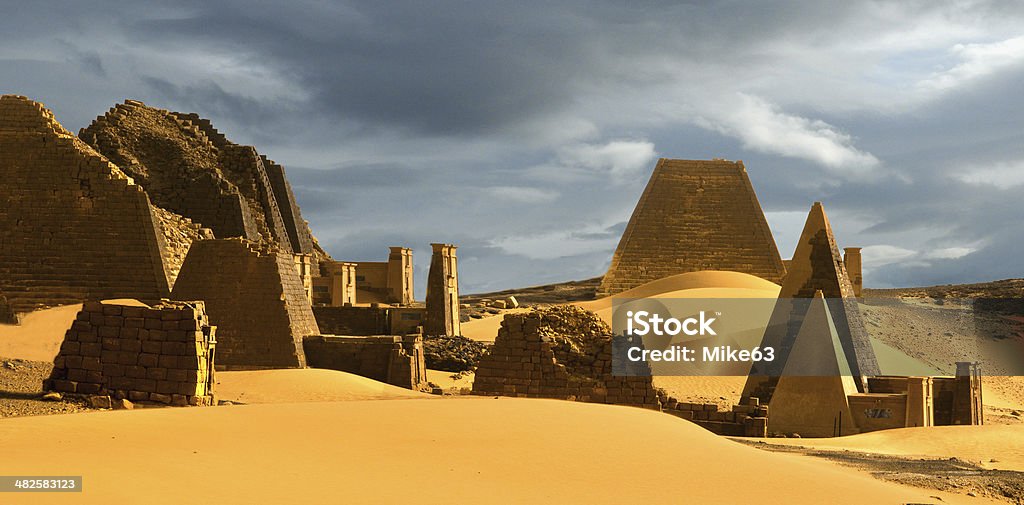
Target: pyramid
{"points": [[811, 396], [190, 168], [694, 215], [73, 226], [255, 298], [817, 266]]}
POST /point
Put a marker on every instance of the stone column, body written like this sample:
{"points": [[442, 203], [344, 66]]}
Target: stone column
{"points": [[443, 292], [852, 262]]}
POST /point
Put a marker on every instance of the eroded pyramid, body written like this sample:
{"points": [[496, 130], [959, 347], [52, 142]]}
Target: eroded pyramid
{"points": [[694, 215]]}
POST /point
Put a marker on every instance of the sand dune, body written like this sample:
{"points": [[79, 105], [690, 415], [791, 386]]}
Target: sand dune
{"points": [[486, 328], [980, 444], [707, 284], [518, 451], [304, 385], [40, 333]]}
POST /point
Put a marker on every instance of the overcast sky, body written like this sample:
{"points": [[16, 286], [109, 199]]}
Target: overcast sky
{"points": [[525, 131]]}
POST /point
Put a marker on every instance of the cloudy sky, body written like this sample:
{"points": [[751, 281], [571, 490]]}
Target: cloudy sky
{"points": [[525, 131]]}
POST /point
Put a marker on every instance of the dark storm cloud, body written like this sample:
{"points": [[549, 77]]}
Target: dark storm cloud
{"points": [[525, 131]]}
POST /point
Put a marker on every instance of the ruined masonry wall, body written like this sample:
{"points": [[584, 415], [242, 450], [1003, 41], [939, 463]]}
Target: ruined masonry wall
{"points": [[522, 364], [396, 360], [256, 299], [162, 354], [73, 226]]}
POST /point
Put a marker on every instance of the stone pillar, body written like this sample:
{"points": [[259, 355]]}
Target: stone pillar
{"points": [[851, 260], [400, 275], [919, 402], [443, 292], [343, 284]]}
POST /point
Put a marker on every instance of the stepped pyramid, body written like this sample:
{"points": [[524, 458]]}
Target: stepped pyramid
{"points": [[811, 395], [694, 215], [73, 226], [816, 267]]}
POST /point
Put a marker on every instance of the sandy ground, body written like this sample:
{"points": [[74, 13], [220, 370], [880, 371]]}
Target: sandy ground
{"points": [[517, 451], [451, 382], [486, 328], [991, 446], [304, 385], [40, 333]]}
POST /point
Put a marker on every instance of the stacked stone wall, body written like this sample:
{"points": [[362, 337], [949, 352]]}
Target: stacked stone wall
{"points": [[162, 354], [255, 297], [694, 215], [396, 360], [560, 353], [72, 225], [352, 320], [522, 363]]}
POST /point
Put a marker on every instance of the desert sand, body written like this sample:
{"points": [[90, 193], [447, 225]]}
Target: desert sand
{"points": [[992, 446], [304, 385], [475, 450], [707, 284], [40, 333]]}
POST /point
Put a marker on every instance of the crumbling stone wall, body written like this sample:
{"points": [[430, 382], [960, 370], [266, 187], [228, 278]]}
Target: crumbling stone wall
{"points": [[352, 320], [523, 362], [162, 354], [565, 352], [255, 297], [393, 359], [72, 225], [178, 235], [694, 215]]}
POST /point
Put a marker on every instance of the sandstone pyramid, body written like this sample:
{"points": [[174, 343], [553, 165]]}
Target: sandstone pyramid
{"points": [[190, 168], [694, 215], [73, 226], [255, 297], [817, 266], [811, 395]]}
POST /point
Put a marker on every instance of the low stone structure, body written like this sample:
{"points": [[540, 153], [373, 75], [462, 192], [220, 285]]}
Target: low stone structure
{"points": [[364, 321], [162, 354], [393, 359], [566, 353], [522, 363], [255, 297]]}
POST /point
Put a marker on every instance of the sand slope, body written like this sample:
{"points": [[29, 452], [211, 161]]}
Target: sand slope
{"points": [[304, 385], [979, 444], [706, 284], [517, 451], [40, 333]]}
